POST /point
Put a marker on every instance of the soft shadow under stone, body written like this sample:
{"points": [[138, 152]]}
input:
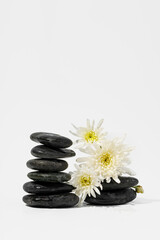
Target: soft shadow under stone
{"points": [[114, 197], [42, 151], [51, 139], [49, 177], [47, 188], [51, 201], [50, 165]]}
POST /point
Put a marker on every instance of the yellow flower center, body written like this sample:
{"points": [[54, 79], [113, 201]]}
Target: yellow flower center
{"points": [[85, 181], [105, 159], [91, 136]]}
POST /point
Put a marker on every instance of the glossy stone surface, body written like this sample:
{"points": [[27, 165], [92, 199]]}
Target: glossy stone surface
{"points": [[51, 139], [42, 151], [47, 188], [114, 197], [126, 182], [49, 177], [53, 165], [51, 201]]}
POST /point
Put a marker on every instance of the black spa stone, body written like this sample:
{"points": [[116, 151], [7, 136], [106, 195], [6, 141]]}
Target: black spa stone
{"points": [[51, 201], [42, 151], [126, 182], [51, 139], [53, 165], [114, 197], [47, 188], [49, 176]]}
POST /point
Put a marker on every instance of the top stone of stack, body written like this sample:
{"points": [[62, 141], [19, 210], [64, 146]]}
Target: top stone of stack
{"points": [[51, 140]]}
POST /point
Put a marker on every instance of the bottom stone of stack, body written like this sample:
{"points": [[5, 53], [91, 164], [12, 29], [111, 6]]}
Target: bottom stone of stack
{"points": [[63, 200], [113, 197]]}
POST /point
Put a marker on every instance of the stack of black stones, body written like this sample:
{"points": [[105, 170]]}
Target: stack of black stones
{"points": [[115, 193], [49, 188]]}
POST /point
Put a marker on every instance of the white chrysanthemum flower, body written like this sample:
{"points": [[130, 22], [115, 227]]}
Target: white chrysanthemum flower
{"points": [[89, 134], [86, 181], [110, 159]]}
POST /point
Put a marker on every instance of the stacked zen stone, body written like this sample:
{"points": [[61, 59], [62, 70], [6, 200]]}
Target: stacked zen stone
{"points": [[115, 193], [49, 188]]}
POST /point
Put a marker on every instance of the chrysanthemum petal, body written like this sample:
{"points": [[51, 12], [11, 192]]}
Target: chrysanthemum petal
{"points": [[93, 193], [74, 126], [82, 159], [93, 122], [100, 123], [88, 150], [75, 134], [88, 124], [97, 190], [117, 180]]}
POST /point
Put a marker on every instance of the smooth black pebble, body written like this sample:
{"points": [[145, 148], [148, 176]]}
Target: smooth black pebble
{"points": [[47, 188], [51, 139], [54, 165], [126, 182], [49, 176], [64, 200], [42, 151], [115, 197]]}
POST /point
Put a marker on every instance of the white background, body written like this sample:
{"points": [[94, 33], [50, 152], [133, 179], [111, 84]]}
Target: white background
{"points": [[60, 63]]}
